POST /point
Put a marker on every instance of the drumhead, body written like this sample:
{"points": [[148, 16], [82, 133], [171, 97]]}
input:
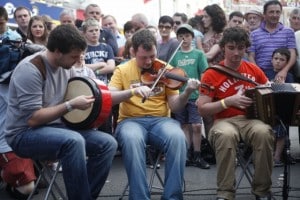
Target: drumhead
{"points": [[82, 119]]}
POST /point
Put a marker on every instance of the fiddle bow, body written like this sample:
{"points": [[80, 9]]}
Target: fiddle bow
{"points": [[163, 70]]}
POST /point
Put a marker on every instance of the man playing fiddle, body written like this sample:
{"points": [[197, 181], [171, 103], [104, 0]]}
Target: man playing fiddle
{"points": [[228, 102], [141, 123]]}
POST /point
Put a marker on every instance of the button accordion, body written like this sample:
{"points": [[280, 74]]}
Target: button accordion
{"points": [[275, 102]]}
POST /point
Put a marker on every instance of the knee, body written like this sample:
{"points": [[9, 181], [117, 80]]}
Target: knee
{"points": [[130, 139], [263, 131], [176, 140], [264, 134], [196, 126], [223, 139], [112, 144], [177, 136], [75, 141]]}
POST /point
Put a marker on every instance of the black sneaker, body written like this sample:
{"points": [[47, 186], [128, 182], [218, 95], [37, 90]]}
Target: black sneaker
{"points": [[292, 160], [267, 197], [201, 163], [189, 163], [190, 157], [278, 163]]}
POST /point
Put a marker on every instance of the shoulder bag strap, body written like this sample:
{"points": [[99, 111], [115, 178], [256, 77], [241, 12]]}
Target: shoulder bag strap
{"points": [[38, 62], [233, 73]]}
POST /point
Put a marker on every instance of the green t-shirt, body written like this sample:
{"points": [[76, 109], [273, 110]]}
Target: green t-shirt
{"points": [[193, 63]]}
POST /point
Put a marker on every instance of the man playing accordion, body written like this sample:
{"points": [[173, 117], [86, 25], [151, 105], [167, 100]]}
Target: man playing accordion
{"points": [[227, 102]]}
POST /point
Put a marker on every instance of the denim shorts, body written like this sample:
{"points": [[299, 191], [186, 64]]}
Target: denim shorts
{"points": [[189, 115], [279, 131]]}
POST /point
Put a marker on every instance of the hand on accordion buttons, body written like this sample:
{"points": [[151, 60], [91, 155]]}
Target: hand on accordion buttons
{"points": [[279, 79]]}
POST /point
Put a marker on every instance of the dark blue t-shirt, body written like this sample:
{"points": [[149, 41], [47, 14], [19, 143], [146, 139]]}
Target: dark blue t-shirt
{"points": [[100, 53]]}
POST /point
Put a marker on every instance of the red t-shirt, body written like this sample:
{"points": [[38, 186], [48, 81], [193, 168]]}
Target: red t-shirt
{"points": [[221, 85]]}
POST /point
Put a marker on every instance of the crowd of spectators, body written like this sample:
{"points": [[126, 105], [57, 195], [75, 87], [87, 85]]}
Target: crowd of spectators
{"points": [[109, 45]]}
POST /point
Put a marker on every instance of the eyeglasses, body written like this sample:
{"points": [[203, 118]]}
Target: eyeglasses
{"points": [[177, 22], [164, 27]]}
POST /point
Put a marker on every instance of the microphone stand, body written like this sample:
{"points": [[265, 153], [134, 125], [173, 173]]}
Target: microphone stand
{"points": [[286, 188], [287, 167]]}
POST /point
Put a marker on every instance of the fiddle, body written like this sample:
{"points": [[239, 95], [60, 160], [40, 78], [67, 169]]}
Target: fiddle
{"points": [[159, 72], [162, 70], [172, 78]]}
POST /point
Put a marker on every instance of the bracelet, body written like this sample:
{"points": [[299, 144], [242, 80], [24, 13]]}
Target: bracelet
{"points": [[223, 104], [132, 91], [68, 106]]}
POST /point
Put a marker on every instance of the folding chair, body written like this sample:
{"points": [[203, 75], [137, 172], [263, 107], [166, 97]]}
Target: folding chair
{"points": [[49, 176], [154, 162], [244, 157]]}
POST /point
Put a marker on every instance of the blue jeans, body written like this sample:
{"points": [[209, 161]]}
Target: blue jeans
{"points": [[162, 133], [86, 156]]}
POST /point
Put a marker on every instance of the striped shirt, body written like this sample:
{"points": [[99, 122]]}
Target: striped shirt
{"points": [[263, 43]]}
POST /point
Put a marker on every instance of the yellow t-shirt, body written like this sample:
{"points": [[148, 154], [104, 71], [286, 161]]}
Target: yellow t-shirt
{"points": [[128, 76]]}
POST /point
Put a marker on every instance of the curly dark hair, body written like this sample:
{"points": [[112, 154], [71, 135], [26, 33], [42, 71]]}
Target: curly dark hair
{"points": [[218, 17], [66, 38], [236, 35]]}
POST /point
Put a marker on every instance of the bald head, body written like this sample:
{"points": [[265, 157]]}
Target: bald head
{"points": [[140, 19]]}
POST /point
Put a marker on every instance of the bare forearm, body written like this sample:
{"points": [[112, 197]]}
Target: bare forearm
{"points": [[291, 62], [96, 66], [211, 108], [213, 52], [46, 115], [49, 114], [178, 103], [119, 96]]}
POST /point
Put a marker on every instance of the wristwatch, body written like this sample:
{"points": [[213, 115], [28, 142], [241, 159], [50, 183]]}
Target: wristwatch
{"points": [[68, 106]]}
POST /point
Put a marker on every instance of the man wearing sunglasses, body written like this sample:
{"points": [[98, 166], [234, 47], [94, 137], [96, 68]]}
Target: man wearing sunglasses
{"points": [[167, 44], [179, 18]]}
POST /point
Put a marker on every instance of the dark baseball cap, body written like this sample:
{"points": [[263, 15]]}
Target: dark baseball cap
{"points": [[186, 27]]}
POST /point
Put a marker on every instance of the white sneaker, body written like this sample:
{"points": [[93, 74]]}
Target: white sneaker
{"points": [[54, 166]]}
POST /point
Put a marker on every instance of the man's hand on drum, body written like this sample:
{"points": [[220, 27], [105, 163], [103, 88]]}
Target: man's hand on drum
{"points": [[82, 102], [239, 101]]}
